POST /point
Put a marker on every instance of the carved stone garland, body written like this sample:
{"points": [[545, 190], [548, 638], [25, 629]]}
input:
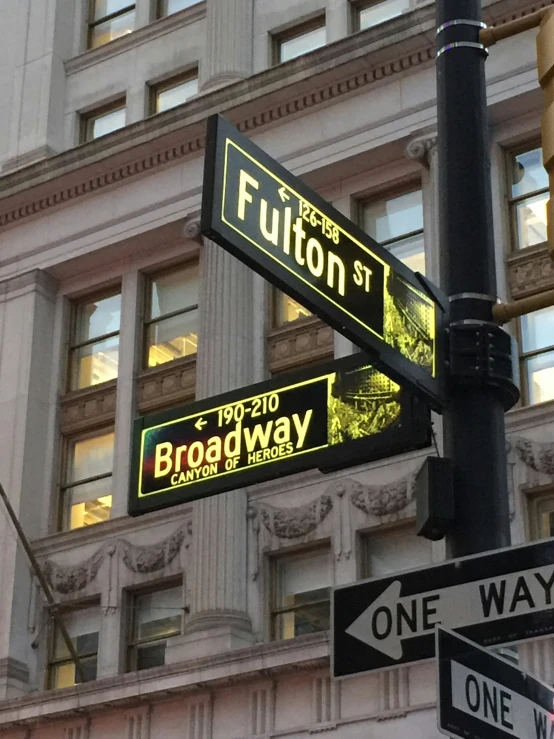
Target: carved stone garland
{"points": [[65, 579]]}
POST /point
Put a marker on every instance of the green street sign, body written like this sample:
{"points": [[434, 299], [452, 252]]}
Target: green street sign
{"points": [[271, 221]]}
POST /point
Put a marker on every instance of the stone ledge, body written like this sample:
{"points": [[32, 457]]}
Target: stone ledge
{"points": [[240, 665]]}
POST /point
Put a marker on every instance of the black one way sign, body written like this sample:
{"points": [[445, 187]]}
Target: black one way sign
{"points": [[483, 695], [267, 218], [493, 598]]}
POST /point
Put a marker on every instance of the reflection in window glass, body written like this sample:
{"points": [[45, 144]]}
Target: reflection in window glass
{"points": [[167, 7], [108, 20], [156, 617], [95, 342], [171, 327], [529, 196], [104, 123], [83, 627], [397, 224], [537, 343], [171, 95], [392, 551], [302, 43], [380, 12], [302, 591], [87, 493]]}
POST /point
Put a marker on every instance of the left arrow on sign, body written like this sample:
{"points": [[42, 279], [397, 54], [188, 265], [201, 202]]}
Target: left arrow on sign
{"points": [[200, 424], [283, 194]]}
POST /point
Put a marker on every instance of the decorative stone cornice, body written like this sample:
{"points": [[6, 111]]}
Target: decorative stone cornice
{"points": [[383, 500], [292, 523], [36, 279], [169, 384], [299, 342], [538, 456], [85, 408], [191, 229], [530, 271]]}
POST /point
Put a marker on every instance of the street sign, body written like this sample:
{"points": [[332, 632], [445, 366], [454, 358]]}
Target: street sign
{"points": [[338, 414], [275, 224], [492, 598], [483, 695]]}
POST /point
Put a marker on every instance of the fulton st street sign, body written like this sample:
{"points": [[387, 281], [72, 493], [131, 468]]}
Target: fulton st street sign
{"points": [[483, 695], [493, 598], [270, 220], [330, 417]]}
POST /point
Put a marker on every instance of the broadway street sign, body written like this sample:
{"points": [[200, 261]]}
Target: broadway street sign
{"points": [[330, 417], [493, 598], [270, 220], [484, 695]]}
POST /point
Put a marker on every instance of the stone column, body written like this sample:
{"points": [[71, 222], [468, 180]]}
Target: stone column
{"points": [[229, 44], [218, 617], [27, 313]]}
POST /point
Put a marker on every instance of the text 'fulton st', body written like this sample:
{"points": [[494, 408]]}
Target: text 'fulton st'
{"points": [[392, 618], [296, 234]]}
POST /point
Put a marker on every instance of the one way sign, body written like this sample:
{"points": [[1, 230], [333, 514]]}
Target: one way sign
{"points": [[483, 695], [491, 598]]}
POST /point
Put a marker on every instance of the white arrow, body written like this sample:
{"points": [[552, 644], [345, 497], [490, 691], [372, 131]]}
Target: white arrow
{"points": [[200, 424], [391, 618], [284, 194]]}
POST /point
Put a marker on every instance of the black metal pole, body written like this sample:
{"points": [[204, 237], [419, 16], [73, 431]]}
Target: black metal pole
{"points": [[479, 387]]}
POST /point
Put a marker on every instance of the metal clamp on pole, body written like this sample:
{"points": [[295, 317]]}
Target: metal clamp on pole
{"points": [[461, 43]]}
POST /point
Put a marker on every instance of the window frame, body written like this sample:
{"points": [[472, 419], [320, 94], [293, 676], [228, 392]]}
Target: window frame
{"points": [[131, 642], [159, 4], [510, 154], [169, 83], [86, 119], [63, 517], [536, 499], [357, 6], [523, 359], [91, 23], [404, 526], [52, 662], [295, 31], [147, 322], [274, 610]]}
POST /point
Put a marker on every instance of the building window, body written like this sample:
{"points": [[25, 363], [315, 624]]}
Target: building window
{"points": [[529, 197], [299, 40], [373, 13], [397, 224], [168, 7], [541, 516], [171, 326], [108, 20], [174, 92], [285, 309], [87, 490], [537, 355], [393, 550], [103, 121], [302, 585], [83, 627], [94, 350], [155, 616]]}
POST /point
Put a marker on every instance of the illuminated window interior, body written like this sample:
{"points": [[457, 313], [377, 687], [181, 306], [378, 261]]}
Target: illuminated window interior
{"points": [[171, 328], [300, 40], [108, 20], [541, 516], [83, 627], [155, 616], [103, 121], [286, 309], [394, 550], [397, 224], [175, 92], [378, 12], [95, 342], [529, 196], [537, 345], [168, 7], [87, 493], [302, 592]]}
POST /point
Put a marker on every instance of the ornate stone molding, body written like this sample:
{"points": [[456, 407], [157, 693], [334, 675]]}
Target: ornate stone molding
{"points": [[83, 408], [382, 500], [419, 149], [293, 523], [169, 384], [538, 456], [530, 271], [191, 229], [299, 342], [66, 579]]}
